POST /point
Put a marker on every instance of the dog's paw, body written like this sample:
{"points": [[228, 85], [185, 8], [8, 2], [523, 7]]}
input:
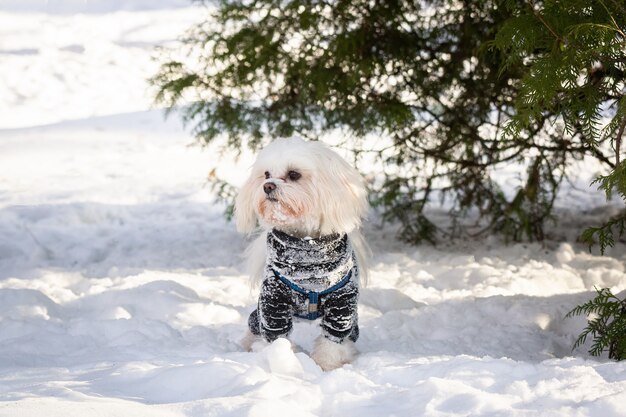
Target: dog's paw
{"points": [[252, 343], [330, 355]]}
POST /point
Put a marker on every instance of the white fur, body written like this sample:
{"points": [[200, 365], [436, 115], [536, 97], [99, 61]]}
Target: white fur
{"points": [[329, 197], [330, 355], [251, 343]]}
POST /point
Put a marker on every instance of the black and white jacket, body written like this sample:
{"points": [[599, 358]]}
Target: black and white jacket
{"points": [[308, 278]]}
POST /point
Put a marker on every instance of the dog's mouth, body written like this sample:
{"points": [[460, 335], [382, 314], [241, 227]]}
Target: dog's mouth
{"points": [[272, 199]]}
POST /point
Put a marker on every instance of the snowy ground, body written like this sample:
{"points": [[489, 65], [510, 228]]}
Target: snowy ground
{"points": [[122, 291]]}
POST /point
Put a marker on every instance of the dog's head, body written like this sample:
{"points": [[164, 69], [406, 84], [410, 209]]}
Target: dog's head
{"points": [[301, 187]]}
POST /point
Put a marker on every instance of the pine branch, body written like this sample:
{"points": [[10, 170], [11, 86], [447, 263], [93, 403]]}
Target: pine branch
{"points": [[618, 140], [608, 328], [539, 17]]}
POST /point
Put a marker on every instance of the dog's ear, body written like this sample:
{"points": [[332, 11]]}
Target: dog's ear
{"points": [[344, 194], [245, 216], [352, 194]]}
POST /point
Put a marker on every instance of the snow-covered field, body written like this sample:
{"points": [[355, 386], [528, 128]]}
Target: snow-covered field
{"points": [[121, 286]]}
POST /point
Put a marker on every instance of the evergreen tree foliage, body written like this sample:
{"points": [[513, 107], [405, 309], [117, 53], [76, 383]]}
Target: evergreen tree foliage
{"points": [[574, 55], [607, 324], [604, 235], [455, 89]]}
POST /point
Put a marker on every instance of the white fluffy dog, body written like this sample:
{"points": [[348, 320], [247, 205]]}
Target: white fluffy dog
{"points": [[309, 256]]}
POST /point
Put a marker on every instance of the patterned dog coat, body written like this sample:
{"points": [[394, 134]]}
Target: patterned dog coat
{"points": [[308, 278]]}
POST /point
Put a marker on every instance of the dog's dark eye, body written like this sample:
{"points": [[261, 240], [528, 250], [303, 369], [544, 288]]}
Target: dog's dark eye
{"points": [[294, 175], [267, 175]]}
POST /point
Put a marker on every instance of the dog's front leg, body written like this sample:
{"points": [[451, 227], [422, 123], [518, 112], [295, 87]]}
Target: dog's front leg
{"points": [[339, 329], [274, 316]]}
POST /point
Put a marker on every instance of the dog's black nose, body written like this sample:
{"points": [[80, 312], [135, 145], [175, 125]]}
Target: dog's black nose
{"points": [[268, 187]]}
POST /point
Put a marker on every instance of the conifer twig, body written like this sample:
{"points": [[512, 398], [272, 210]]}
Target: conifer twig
{"points": [[618, 140], [618, 5], [543, 21]]}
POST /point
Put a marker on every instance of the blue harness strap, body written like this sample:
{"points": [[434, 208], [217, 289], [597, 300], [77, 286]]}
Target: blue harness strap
{"points": [[313, 296]]}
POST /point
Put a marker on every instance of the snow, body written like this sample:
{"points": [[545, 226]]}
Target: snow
{"points": [[122, 290]]}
